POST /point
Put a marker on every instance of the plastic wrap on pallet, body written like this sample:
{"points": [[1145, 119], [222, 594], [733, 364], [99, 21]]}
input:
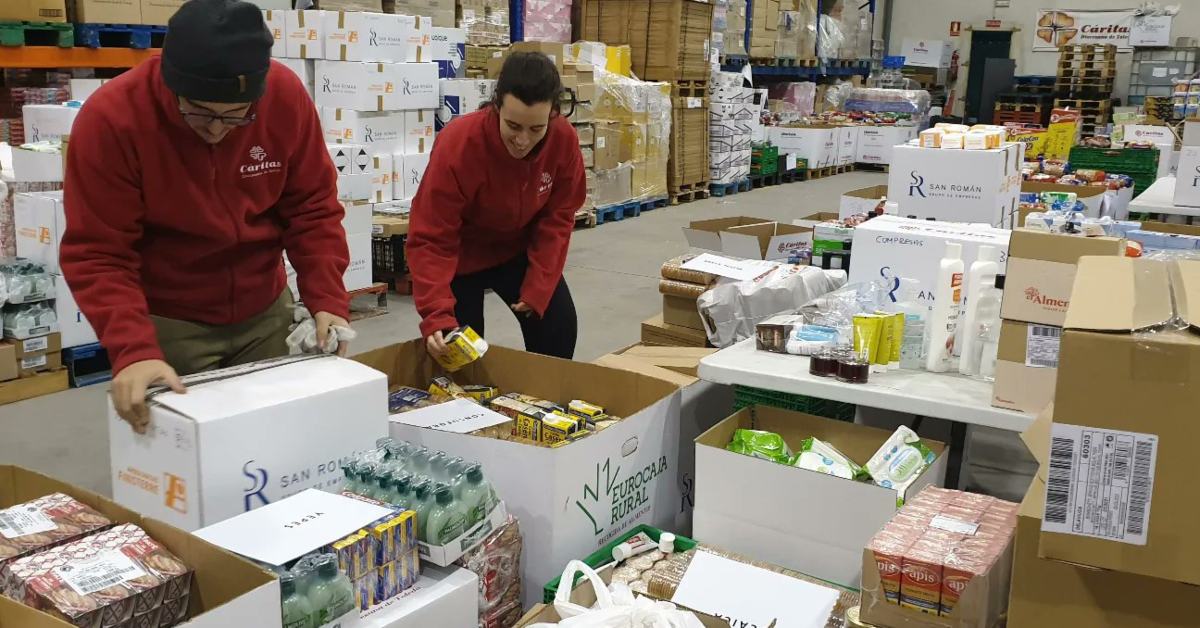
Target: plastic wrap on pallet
{"points": [[548, 20], [796, 37], [850, 98], [734, 39], [800, 97], [856, 30], [486, 22], [830, 39], [643, 110]]}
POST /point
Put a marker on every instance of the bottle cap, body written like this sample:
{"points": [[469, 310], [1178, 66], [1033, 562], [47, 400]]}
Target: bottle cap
{"points": [[620, 553], [475, 473], [327, 567], [666, 543], [444, 496]]}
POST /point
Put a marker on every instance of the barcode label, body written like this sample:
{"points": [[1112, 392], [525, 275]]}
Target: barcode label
{"points": [[24, 520], [37, 344], [106, 570], [950, 524], [1041, 346], [1100, 483]]}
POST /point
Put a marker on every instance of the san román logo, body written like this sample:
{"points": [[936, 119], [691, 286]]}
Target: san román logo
{"points": [[610, 499], [373, 39], [326, 85], [915, 187], [258, 483], [1196, 179]]}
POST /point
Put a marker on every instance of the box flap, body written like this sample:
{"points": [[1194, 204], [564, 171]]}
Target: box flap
{"points": [[874, 192], [1119, 294], [1037, 438], [1054, 247], [1187, 292]]}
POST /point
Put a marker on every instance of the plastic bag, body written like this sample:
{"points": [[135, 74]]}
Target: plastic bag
{"points": [[837, 308], [732, 309], [303, 338], [615, 608]]}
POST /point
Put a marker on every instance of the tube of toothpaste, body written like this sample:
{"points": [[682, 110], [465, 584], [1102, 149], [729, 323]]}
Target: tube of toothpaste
{"points": [[901, 459]]}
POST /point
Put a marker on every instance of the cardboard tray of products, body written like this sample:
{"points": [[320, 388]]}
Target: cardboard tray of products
{"points": [[226, 589]]}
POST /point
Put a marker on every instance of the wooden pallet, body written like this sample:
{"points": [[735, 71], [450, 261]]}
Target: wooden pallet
{"points": [[843, 169], [137, 36], [689, 89], [628, 209], [872, 167], [1086, 50], [797, 62], [1017, 106], [37, 34], [764, 180], [819, 173], [585, 219], [725, 189], [688, 192], [377, 290]]}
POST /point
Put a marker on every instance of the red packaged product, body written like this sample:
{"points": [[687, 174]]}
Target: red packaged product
{"points": [[45, 522], [889, 553], [118, 578], [921, 576]]}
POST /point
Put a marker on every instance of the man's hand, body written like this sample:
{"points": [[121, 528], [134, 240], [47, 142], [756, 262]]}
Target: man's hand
{"points": [[522, 309], [129, 390], [324, 321], [436, 344]]}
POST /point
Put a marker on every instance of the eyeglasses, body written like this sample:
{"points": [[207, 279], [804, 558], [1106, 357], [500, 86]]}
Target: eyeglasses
{"points": [[208, 118]]}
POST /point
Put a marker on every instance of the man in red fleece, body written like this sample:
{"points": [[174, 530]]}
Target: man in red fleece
{"points": [[496, 210], [187, 178]]}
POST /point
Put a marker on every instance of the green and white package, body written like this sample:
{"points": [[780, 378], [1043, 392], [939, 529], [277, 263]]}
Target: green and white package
{"points": [[818, 455], [900, 460], [765, 445]]}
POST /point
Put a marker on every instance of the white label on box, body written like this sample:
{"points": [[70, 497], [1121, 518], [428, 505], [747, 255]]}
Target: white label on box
{"points": [[950, 524], [37, 344], [745, 595], [1041, 349], [94, 574], [33, 362], [695, 103], [1100, 483], [741, 270], [22, 521], [460, 416]]}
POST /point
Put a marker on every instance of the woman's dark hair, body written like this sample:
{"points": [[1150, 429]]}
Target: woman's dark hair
{"points": [[531, 77]]}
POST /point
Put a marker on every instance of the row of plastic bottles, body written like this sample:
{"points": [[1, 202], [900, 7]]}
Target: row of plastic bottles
{"points": [[315, 592], [449, 495]]}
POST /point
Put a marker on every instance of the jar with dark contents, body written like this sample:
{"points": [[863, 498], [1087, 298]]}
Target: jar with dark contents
{"points": [[853, 369], [824, 363]]}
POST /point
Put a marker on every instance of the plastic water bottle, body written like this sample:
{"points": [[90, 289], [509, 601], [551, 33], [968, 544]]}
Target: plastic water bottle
{"points": [[332, 594], [446, 521], [476, 495], [297, 611]]}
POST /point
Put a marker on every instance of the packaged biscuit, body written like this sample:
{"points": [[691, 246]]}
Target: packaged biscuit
{"points": [[44, 522], [536, 402], [465, 346], [510, 407], [364, 590], [445, 387], [392, 536], [404, 399], [481, 393]]}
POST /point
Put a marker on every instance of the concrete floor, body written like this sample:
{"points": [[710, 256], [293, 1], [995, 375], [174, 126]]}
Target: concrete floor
{"points": [[613, 272]]}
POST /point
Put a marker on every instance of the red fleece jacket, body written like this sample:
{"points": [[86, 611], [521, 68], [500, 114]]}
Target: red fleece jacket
{"points": [[160, 222], [479, 207]]}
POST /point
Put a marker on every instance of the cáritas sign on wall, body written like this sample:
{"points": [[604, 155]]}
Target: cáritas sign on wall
{"points": [[1067, 27]]}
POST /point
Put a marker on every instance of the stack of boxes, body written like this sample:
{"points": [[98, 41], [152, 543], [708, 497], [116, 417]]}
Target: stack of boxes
{"points": [[580, 78], [548, 20], [668, 39], [637, 115], [764, 24], [796, 36], [733, 118], [732, 32], [486, 22], [439, 12], [32, 344]]}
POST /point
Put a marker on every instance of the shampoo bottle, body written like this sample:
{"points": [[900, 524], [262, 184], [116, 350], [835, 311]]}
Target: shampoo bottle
{"points": [[943, 319], [980, 279]]}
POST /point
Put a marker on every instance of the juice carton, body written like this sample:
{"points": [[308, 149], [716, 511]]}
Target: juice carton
{"points": [[889, 549], [921, 576]]}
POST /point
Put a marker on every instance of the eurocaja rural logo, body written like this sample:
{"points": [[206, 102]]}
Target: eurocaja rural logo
{"points": [[611, 502]]}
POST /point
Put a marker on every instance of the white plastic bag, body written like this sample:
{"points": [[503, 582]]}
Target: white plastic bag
{"points": [[732, 309], [615, 608], [303, 336]]}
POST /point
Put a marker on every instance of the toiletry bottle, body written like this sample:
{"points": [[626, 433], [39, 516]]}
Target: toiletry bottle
{"points": [[989, 328], [476, 495], [943, 319], [437, 466], [367, 479], [981, 278], [332, 594], [383, 488], [446, 520], [297, 611], [401, 491], [422, 502]]}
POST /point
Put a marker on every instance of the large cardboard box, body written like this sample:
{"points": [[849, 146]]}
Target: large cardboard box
{"points": [[1041, 271], [1094, 198], [575, 498], [1187, 178], [657, 332], [738, 505], [247, 436], [959, 185], [40, 222], [361, 36], [924, 53], [846, 138], [108, 11], [861, 201], [45, 123], [1026, 366], [358, 272], [378, 131], [159, 12], [74, 326], [226, 590], [892, 248], [34, 10], [817, 144], [746, 237], [875, 142], [304, 34], [681, 311], [1118, 494], [376, 86], [442, 596]]}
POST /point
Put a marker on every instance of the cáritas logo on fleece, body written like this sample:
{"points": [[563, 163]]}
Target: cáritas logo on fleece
{"points": [[261, 165], [611, 503]]}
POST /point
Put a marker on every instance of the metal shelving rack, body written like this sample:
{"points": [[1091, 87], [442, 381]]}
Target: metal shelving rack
{"points": [[1149, 63], [736, 63]]}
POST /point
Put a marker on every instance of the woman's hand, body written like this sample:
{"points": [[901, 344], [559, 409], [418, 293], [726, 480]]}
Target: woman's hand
{"points": [[521, 309], [436, 344]]}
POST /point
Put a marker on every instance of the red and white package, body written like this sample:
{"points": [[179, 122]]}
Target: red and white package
{"points": [[45, 522]]}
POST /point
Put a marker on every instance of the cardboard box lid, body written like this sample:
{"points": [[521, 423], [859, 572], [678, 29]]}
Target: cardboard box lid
{"points": [[1187, 292], [743, 240], [1057, 247], [706, 234], [872, 193], [1114, 294]]}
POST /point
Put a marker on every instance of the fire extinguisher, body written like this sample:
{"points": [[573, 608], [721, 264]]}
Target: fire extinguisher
{"points": [[952, 75]]}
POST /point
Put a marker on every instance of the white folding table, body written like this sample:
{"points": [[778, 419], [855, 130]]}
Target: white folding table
{"points": [[1159, 198]]}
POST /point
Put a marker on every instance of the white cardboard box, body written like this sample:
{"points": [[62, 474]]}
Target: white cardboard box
{"points": [[33, 165], [377, 131], [305, 33], [448, 49], [355, 170], [1161, 136], [861, 201], [1187, 179], [747, 237], [462, 96], [83, 88], [875, 142], [39, 222], [411, 171], [926, 53], [419, 133], [892, 247], [363, 36], [416, 33], [276, 21], [800, 519], [376, 86], [847, 144], [979, 186], [816, 144], [357, 218], [246, 436], [74, 326], [302, 68], [358, 274], [443, 597], [48, 122], [382, 188]]}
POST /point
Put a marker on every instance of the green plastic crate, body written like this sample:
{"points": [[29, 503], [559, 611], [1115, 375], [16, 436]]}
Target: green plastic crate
{"points": [[603, 556], [745, 396], [1118, 160]]}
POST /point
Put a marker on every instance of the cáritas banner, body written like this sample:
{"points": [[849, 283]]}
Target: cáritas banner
{"points": [[1066, 27]]}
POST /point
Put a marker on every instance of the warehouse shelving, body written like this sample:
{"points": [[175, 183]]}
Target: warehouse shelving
{"points": [[54, 57]]}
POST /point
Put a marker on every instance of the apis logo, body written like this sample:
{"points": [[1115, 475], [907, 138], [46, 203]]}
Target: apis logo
{"points": [[887, 567], [957, 584], [920, 574]]}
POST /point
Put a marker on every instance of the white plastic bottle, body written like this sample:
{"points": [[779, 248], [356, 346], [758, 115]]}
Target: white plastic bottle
{"points": [[989, 329], [980, 278], [943, 318]]}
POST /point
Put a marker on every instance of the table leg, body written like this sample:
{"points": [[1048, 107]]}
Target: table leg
{"points": [[958, 447]]}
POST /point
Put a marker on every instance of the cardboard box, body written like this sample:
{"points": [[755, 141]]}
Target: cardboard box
{"points": [[674, 364], [460, 97], [34, 10], [376, 86], [359, 36], [82, 89], [378, 132], [875, 142], [746, 237], [846, 138], [408, 179], [735, 509], [32, 365], [448, 49], [926, 53], [606, 146], [277, 23], [614, 186], [247, 436], [815, 143], [639, 455], [72, 324], [159, 12], [28, 388], [48, 122], [964, 186], [358, 272], [657, 332], [226, 590], [1062, 133], [32, 165], [382, 187], [37, 345], [304, 33], [442, 596], [8, 362], [1094, 198], [861, 201], [554, 50], [1026, 366], [303, 69], [1187, 179], [418, 132], [892, 247], [1041, 271], [39, 222], [681, 311]]}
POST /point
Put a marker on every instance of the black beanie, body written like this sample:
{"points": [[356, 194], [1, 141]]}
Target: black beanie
{"points": [[217, 51]]}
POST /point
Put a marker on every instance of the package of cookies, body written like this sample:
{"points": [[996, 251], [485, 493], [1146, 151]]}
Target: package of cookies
{"points": [[116, 578], [45, 522]]}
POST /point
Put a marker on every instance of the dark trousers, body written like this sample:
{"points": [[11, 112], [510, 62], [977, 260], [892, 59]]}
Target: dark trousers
{"points": [[553, 334]]}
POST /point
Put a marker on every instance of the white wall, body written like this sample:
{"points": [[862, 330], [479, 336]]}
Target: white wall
{"points": [[930, 19]]}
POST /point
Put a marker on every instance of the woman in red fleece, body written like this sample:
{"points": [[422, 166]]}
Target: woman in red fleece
{"points": [[496, 210]]}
